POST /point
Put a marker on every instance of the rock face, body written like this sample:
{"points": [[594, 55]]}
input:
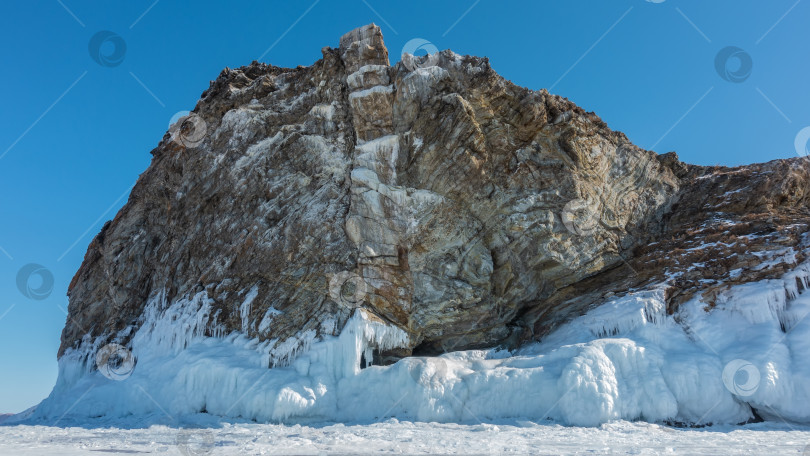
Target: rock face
{"points": [[434, 194]]}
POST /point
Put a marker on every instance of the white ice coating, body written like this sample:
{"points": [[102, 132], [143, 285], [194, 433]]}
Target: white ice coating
{"points": [[355, 80], [415, 201], [626, 359], [379, 155], [420, 84], [244, 309], [267, 320], [323, 111], [172, 330], [387, 89]]}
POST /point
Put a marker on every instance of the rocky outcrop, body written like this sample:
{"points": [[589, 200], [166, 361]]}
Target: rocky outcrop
{"points": [[434, 194]]}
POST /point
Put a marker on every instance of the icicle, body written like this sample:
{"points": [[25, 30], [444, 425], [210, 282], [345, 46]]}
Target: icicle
{"points": [[626, 313], [244, 309], [358, 336], [174, 328]]}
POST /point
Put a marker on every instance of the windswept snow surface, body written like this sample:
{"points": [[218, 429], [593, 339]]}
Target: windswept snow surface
{"points": [[395, 437], [745, 353]]}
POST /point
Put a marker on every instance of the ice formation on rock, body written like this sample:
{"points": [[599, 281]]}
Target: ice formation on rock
{"points": [[625, 359]]}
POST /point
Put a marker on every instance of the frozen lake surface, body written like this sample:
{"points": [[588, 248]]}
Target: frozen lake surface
{"points": [[395, 437]]}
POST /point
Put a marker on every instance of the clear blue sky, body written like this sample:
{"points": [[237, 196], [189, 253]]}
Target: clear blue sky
{"points": [[76, 134]]}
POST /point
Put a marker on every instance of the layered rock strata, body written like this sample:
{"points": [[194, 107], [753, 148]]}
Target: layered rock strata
{"points": [[436, 195]]}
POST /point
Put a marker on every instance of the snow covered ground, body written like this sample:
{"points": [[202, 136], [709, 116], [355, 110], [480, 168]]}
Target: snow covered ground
{"points": [[395, 437]]}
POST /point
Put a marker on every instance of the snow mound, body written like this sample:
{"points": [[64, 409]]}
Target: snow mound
{"points": [[711, 362]]}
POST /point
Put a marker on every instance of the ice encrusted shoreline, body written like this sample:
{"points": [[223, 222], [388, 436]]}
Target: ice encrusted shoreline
{"points": [[624, 360]]}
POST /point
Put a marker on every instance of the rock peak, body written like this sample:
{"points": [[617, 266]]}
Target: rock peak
{"points": [[363, 46]]}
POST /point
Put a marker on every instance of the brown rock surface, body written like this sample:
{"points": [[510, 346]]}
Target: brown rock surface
{"points": [[475, 212]]}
